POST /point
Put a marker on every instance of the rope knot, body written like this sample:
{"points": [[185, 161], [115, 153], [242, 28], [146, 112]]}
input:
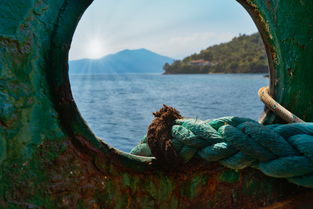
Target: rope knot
{"points": [[159, 136], [278, 150]]}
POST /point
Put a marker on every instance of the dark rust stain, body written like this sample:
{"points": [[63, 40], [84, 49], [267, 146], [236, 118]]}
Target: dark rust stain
{"points": [[302, 201], [290, 72], [64, 94], [268, 4], [3, 124], [85, 147]]}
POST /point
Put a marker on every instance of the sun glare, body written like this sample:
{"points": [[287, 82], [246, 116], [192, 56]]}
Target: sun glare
{"points": [[95, 49]]}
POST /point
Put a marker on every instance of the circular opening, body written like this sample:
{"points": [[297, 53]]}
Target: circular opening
{"points": [[120, 48]]}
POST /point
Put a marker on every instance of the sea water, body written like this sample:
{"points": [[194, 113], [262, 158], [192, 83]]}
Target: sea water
{"points": [[118, 107]]}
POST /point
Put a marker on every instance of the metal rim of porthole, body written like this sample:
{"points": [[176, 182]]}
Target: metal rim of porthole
{"points": [[75, 126], [49, 156]]}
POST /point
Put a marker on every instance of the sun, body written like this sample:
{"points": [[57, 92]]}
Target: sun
{"points": [[95, 48]]}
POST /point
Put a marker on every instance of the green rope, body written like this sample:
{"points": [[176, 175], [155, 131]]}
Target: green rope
{"points": [[279, 150]]}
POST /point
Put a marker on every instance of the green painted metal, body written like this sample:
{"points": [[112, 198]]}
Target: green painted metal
{"points": [[287, 31], [49, 158]]}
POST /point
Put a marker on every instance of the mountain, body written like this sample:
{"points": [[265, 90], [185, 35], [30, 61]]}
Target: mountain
{"points": [[126, 61], [243, 54]]}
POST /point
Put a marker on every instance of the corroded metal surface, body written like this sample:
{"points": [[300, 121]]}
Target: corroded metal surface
{"points": [[287, 30], [50, 159]]}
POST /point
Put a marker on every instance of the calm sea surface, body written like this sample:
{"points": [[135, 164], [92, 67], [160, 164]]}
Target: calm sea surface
{"points": [[118, 107]]}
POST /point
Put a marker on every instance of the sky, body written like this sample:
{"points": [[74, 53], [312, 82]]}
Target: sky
{"points": [[174, 28]]}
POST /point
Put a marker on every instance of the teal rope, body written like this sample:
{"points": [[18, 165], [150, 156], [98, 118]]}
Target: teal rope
{"points": [[281, 151]]}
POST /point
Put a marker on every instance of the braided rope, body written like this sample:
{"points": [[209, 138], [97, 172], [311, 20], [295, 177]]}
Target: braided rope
{"points": [[281, 151]]}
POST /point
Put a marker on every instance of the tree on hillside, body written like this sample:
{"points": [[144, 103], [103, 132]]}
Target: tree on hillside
{"points": [[243, 54]]}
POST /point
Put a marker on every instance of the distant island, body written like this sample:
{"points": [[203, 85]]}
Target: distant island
{"points": [[126, 61], [243, 54]]}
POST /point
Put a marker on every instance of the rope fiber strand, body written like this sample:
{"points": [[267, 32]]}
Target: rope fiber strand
{"points": [[278, 150]]}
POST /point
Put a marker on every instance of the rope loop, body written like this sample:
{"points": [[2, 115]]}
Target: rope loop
{"points": [[275, 107]]}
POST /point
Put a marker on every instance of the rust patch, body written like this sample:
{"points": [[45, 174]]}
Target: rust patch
{"points": [[76, 181], [3, 124], [85, 147], [303, 201], [290, 72], [268, 4]]}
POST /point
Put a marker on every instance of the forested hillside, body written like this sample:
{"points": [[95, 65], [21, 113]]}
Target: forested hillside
{"points": [[243, 54]]}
